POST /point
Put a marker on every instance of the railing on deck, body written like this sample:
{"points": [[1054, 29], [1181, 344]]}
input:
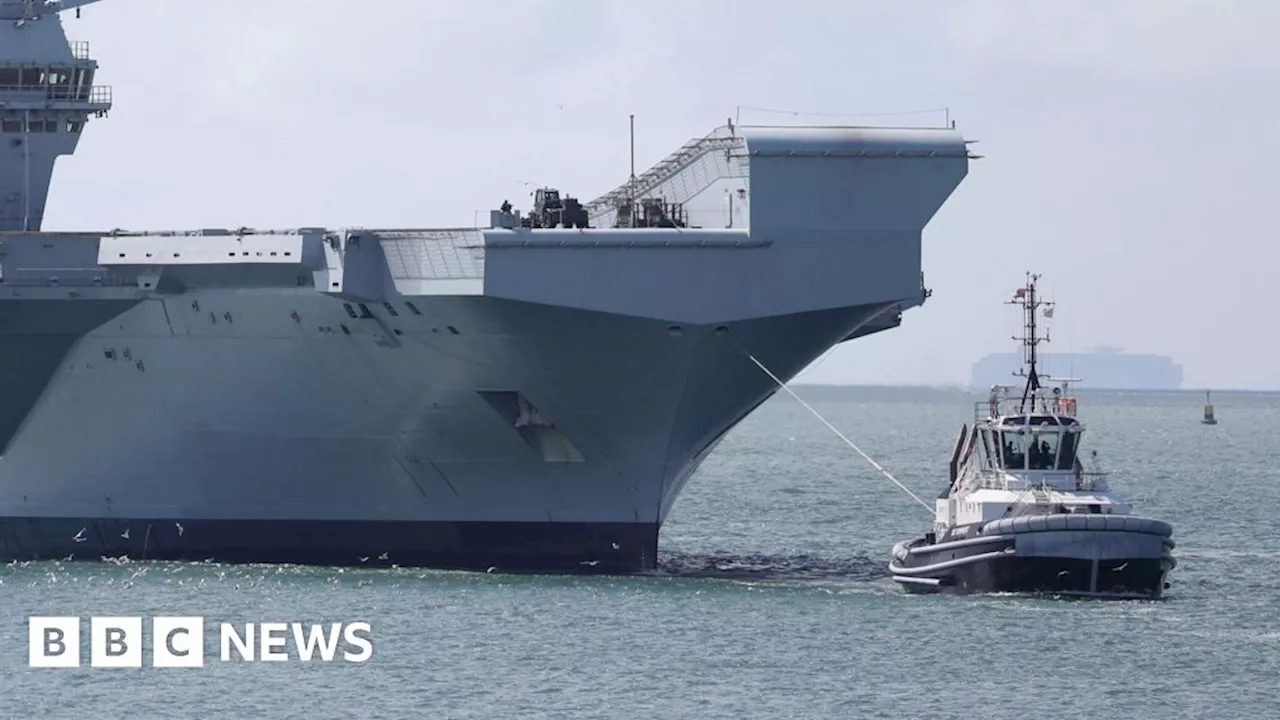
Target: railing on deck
{"points": [[1083, 481], [667, 170], [1000, 404], [1092, 480], [70, 278], [96, 95]]}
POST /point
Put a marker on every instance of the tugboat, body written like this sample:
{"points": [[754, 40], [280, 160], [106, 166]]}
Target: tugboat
{"points": [[1021, 514]]}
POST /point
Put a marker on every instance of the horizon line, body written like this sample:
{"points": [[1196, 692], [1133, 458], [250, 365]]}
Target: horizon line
{"points": [[958, 387]]}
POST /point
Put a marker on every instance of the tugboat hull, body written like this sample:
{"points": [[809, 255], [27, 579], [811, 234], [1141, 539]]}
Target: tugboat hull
{"points": [[1121, 557]]}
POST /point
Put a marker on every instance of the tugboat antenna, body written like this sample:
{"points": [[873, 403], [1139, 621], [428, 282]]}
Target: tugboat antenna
{"points": [[1026, 298]]}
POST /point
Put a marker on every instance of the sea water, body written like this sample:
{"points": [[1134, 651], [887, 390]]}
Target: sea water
{"points": [[772, 599]]}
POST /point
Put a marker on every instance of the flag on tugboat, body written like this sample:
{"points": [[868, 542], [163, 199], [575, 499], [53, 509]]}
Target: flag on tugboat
{"points": [[1019, 293], [1048, 311]]}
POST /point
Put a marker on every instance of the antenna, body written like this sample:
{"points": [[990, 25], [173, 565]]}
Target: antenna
{"points": [[633, 148], [1026, 297]]}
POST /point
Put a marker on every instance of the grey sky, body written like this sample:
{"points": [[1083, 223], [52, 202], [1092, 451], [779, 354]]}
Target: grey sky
{"points": [[1131, 147]]}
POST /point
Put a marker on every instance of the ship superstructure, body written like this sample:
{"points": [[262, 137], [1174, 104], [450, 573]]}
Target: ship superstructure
{"points": [[530, 395]]}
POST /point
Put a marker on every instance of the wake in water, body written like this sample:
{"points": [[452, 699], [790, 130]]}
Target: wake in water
{"points": [[769, 567]]}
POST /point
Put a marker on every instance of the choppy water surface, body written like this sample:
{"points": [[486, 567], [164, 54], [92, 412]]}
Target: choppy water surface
{"points": [[771, 601]]}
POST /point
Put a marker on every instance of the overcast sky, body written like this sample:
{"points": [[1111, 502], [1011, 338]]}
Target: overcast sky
{"points": [[1130, 148]]}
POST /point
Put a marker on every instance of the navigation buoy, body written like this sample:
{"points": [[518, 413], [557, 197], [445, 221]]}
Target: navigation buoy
{"points": [[1208, 411]]}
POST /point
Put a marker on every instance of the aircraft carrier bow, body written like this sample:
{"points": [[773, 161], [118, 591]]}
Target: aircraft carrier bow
{"points": [[532, 395]]}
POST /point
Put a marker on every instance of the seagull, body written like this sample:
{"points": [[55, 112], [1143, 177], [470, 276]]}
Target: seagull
{"points": [[491, 569], [364, 559], [615, 546], [383, 556], [126, 534], [592, 563], [1064, 572], [79, 537], [1124, 565], [179, 528]]}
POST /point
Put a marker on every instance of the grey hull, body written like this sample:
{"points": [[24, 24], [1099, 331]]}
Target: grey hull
{"points": [[272, 439]]}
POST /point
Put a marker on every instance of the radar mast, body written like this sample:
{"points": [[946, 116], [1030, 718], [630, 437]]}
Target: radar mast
{"points": [[1026, 298]]}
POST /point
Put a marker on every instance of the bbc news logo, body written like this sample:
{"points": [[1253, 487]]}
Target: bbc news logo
{"points": [[179, 642]]}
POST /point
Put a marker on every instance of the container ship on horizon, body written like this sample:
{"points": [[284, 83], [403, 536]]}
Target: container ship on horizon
{"points": [[1101, 368]]}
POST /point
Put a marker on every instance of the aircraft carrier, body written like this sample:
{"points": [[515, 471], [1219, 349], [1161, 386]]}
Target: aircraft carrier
{"points": [[532, 395]]}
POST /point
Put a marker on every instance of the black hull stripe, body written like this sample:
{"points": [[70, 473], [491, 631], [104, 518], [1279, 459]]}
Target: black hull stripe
{"points": [[1138, 578], [507, 546]]}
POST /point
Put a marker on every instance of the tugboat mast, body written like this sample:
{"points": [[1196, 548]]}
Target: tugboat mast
{"points": [[1026, 297]]}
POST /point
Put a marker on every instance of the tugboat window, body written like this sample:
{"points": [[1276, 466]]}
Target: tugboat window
{"points": [[1014, 450], [1067, 458], [1043, 450], [988, 444]]}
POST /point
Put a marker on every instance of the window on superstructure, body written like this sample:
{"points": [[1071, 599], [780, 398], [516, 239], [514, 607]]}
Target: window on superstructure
{"points": [[11, 126], [1042, 453], [10, 77], [989, 445], [32, 78], [35, 126], [1013, 450], [84, 83], [1067, 458], [74, 126], [60, 83]]}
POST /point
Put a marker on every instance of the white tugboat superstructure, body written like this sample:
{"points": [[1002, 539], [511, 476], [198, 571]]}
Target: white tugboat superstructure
{"points": [[1022, 513]]}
